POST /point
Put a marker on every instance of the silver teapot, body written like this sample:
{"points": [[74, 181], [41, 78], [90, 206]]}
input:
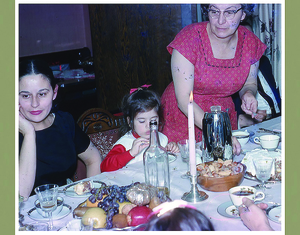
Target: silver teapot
{"points": [[217, 134]]}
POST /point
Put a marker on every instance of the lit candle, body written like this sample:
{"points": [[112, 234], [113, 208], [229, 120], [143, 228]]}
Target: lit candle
{"points": [[192, 136]]}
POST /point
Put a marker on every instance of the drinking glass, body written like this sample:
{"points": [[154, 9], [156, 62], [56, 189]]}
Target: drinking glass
{"points": [[263, 167], [78, 225], [184, 152], [47, 195]]}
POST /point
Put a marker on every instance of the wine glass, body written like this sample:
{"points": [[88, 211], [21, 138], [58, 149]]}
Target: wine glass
{"points": [[184, 152], [263, 167], [47, 195]]}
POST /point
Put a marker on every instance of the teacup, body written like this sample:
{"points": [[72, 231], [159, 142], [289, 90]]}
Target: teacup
{"points": [[60, 203], [239, 192], [242, 136], [269, 142]]}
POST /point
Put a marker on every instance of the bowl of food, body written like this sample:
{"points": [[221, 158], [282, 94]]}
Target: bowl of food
{"points": [[220, 176], [60, 204], [242, 136]]}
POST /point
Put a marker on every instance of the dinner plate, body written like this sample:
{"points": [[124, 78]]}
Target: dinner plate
{"points": [[69, 189], [33, 214], [250, 177], [172, 157], [274, 213], [228, 210]]}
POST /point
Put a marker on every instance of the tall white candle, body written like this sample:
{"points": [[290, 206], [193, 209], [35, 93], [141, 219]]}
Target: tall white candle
{"points": [[192, 143]]}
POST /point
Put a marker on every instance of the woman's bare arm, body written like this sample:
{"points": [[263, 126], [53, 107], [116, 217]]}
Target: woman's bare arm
{"points": [[183, 78]]}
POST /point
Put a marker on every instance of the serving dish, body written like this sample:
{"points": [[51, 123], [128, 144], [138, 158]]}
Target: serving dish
{"points": [[222, 184]]}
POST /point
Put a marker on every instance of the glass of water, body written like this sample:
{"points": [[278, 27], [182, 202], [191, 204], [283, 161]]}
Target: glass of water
{"points": [[263, 167], [184, 152], [47, 195]]}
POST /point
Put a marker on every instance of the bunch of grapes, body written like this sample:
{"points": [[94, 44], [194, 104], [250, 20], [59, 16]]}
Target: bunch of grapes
{"points": [[109, 204]]}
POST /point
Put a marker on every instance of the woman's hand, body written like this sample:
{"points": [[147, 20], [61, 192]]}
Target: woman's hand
{"points": [[172, 147], [249, 104], [261, 115], [253, 216], [25, 126], [138, 145], [236, 146]]}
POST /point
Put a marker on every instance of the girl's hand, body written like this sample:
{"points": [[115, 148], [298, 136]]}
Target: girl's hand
{"points": [[138, 145], [172, 147], [236, 146], [25, 126], [249, 104]]}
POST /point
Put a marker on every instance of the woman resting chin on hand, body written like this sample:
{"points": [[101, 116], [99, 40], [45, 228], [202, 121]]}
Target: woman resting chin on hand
{"points": [[49, 142]]}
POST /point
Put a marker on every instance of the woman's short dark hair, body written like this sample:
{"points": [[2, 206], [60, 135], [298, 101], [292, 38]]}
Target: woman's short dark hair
{"points": [[247, 8], [35, 67], [141, 100], [180, 219]]}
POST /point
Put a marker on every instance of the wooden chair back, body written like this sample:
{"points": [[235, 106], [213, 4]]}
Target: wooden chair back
{"points": [[102, 127]]}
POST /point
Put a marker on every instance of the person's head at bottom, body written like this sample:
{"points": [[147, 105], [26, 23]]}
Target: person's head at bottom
{"points": [[178, 216]]}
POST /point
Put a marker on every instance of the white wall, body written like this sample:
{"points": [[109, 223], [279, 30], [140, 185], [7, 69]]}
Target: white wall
{"points": [[45, 28]]}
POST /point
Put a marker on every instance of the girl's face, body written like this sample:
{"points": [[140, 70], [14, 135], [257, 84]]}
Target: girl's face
{"points": [[35, 97], [141, 122], [221, 27]]}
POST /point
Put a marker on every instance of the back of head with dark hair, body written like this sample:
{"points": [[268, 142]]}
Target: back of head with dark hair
{"points": [[180, 219], [35, 67], [142, 100]]}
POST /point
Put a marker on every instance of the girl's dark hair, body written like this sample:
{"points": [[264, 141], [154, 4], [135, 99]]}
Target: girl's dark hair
{"points": [[141, 100], [247, 8], [35, 67], [180, 219]]}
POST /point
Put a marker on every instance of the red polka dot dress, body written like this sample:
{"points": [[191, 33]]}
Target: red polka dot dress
{"points": [[215, 80]]}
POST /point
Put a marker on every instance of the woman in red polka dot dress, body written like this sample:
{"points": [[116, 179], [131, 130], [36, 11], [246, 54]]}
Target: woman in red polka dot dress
{"points": [[214, 59]]}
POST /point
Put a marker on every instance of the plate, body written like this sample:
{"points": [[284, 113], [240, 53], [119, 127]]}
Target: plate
{"points": [[250, 177], [172, 157], [274, 213], [33, 214], [228, 210], [69, 189]]}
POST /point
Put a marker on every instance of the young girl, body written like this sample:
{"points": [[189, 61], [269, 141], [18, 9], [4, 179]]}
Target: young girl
{"points": [[139, 108]]}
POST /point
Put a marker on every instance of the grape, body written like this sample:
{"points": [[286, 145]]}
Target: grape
{"points": [[108, 224], [92, 198], [110, 213], [100, 196], [121, 199], [93, 190]]}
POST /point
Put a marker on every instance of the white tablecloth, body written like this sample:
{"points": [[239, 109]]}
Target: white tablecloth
{"points": [[135, 172]]}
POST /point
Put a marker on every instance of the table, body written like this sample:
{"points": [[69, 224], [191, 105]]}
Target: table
{"points": [[135, 172]]}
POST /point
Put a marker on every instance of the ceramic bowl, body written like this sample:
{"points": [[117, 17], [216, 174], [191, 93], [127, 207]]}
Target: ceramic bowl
{"points": [[242, 136], [60, 203], [221, 184]]}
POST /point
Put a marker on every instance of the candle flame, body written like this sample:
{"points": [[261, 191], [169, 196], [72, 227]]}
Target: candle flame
{"points": [[191, 97]]}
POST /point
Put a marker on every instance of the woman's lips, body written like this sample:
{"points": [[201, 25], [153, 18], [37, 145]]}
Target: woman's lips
{"points": [[36, 112]]}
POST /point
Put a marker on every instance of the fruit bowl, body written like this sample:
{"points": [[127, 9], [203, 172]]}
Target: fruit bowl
{"points": [[221, 184]]}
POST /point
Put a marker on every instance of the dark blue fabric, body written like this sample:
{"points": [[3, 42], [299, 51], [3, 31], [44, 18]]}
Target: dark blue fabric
{"points": [[57, 150], [266, 69]]}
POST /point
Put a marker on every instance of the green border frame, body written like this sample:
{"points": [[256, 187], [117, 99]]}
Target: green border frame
{"points": [[7, 123]]}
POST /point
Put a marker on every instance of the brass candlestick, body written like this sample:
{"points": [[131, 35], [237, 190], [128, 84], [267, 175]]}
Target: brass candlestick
{"points": [[194, 195]]}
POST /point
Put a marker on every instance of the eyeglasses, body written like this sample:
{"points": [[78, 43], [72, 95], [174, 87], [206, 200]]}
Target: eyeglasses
{"points": [[228, 14]]}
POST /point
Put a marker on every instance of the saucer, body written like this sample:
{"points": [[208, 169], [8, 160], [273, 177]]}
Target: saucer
{"points": [[33, 214], [227, 209], [274, 213]]}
